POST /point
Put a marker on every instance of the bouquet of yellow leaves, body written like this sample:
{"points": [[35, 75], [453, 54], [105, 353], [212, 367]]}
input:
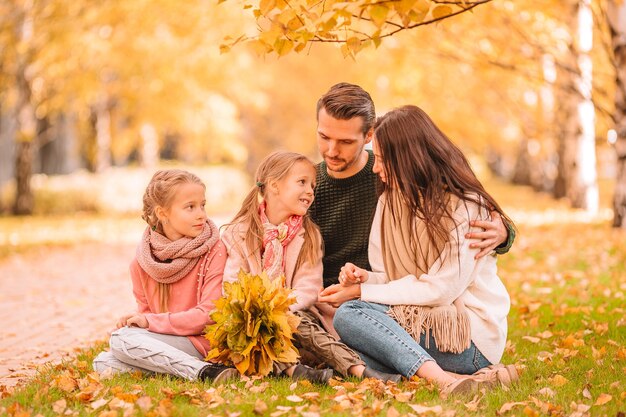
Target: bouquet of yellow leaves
{"points": [[253, 325]]}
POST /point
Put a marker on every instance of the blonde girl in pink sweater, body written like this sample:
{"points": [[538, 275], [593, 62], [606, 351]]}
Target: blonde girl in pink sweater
{"points": [[273, 233], [176, 276]]}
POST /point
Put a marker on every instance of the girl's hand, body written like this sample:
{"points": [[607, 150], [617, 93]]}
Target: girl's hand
{"points": [[133, 319], [351, 274], [337, 294], [138, 320], [121, 322]]}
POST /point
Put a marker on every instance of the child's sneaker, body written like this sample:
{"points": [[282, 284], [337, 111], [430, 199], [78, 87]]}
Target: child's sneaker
{"points": [[217, 373], [321, 376]]}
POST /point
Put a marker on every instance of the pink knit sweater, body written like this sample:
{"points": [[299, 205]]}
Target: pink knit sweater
{"points": [[186, 316]]}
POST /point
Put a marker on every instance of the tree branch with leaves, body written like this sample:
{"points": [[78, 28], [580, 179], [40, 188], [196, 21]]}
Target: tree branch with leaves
{"points": [[290, 25]]}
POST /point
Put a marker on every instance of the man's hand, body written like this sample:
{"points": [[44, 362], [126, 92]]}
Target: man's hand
{"points": [[337, 294], [494, 234], [351, 274]]}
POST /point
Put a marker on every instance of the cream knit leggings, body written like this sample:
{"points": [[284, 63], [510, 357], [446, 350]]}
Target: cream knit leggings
{"points": [[136, 349]]}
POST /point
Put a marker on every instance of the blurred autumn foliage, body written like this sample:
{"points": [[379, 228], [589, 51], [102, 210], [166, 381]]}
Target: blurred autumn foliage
{"points": [[535, 87]]}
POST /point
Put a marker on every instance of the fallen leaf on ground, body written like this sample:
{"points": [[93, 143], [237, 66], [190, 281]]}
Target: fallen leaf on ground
{"points": [[98, 403], [531, 339], [422, 409], [392, 412], [547, 392], [260, 407], [403, 397], [59, 406], [506, 407], [558, 380], [144, 403], [260, 388], [65, 383], [603, 399]]}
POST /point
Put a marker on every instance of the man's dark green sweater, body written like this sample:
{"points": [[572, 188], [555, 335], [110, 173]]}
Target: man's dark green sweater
{"points": [[344, 210]]}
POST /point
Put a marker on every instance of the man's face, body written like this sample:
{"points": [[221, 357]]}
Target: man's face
{"points": [[341, 143]]}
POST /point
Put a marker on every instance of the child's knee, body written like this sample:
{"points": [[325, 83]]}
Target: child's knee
{"points": [[122, 337], [105, 361]]}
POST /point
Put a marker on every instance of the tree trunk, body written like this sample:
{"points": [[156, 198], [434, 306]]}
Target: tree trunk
{"points": [[58, 153], [103, 135], [577, 177], [25, 135], [521, 172], [561, 182], [149, 146], [24, 198], [26, 123], [7, 145], [617, 24]]}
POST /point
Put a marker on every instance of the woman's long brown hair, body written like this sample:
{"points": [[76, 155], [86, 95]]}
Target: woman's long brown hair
{"points": [[424, 167]]}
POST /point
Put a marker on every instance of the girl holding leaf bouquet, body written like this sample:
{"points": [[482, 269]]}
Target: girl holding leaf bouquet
{"points": [[445, 309], [177, 276], [275, 237]]}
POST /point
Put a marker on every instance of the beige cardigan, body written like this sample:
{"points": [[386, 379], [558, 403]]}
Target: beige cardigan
{"points": [[306, 282], [455, 274]]}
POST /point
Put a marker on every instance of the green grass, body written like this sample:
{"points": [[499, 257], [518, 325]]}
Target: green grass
{"points": [[566, 275]]}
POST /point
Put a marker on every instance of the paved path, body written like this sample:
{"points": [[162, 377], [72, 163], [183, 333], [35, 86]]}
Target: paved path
{"points": [[53, 300]]}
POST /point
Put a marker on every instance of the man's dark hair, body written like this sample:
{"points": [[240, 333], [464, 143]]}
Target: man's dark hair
{"points": [[346, 101]]}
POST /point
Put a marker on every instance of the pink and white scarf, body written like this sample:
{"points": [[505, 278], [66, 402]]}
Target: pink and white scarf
{"points": [[275, 239]]}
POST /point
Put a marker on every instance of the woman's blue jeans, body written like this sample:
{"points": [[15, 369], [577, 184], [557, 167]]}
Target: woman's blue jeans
{"points": [[385, 346]]}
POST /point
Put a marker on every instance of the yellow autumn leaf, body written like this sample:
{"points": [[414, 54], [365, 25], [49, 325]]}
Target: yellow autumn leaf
{"points": [[260, 407], [392, 412], [283, 46], [403, 6], [531, 339], [378, 13], [422, 409], [558, 380], [266, 6], [506, 407], [439, 12], [603, 399], [65, 383], [354, 44]]}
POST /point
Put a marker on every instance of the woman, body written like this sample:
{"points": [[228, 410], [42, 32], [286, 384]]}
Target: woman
{"points": [[434, 308]]}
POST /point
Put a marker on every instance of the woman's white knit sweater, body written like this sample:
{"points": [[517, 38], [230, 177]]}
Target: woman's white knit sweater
{"points": [[455, 274]]}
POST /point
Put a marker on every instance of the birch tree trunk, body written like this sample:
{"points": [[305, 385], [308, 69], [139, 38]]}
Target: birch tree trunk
{"points": [[577, 178], [26, 123], [617, 24], [102, 115], [149, 146]]}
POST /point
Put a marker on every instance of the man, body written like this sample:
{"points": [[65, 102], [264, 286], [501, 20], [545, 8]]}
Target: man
{"points": [[344, 206]]}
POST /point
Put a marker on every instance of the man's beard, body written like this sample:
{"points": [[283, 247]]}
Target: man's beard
{"points": [[346, 164]]}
